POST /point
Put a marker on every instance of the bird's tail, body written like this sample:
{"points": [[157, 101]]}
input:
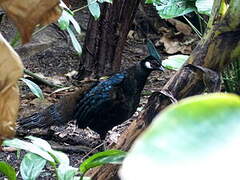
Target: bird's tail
{"points": [[56, 114], [50, 116]]}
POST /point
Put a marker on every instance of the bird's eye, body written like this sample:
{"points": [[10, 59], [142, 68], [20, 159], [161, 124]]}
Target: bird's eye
{"points": [[148, 65]]}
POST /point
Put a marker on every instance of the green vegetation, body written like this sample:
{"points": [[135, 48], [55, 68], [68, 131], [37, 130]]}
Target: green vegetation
{"points": [[231, 77], [40, 153], [197, 137]]}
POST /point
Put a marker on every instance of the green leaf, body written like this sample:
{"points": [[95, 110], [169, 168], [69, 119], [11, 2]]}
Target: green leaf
{"points": [[102, 1], [85, 178], [64, 24], [40, 143], [204, 6], [36, 90], [197, 138], [31, 166], [20, 144], [66, 172], [74, 40], [101, 158], [175, 62], [149, 1], [64, 20], [173, 8], [7, 170], [75, 24], [60, 157], [94, 8]]}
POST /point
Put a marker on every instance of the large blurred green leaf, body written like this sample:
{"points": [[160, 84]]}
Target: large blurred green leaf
{"points": [[198, 138], [7, 170], [31, 166]]}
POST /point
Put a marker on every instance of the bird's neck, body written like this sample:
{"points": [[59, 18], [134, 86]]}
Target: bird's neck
{"points": [[141, 74]]}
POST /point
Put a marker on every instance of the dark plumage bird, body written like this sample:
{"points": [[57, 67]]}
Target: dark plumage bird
{"points": [[104, 105]]}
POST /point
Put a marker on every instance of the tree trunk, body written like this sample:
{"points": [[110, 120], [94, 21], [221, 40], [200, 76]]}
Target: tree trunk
{"points": [[219, 47], [105, 39]]}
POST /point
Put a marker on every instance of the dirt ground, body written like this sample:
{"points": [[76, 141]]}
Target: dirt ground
{"points": [[51, 55]]}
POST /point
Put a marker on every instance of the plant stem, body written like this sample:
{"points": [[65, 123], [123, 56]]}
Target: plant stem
{"points": [[79, 9], [193, 27]]}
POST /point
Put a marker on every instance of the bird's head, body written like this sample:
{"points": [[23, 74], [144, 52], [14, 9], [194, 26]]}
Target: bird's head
{"points": [[151, 63]]}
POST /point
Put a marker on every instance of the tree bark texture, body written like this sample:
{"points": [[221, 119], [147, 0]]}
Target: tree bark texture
{"points": [[219, 47], [105, 38]]}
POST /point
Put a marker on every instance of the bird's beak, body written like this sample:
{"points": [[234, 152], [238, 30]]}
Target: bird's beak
{"points": [[162, 68]]}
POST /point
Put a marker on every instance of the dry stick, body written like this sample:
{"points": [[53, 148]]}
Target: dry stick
{"points": [[41, 79], [72, 149], [218, 48]]}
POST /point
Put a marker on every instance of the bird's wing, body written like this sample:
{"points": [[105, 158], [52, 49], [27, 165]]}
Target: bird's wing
{"points": [[98, 98]]}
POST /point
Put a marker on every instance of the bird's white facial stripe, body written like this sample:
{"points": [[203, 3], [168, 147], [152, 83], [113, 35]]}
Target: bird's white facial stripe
{"points": [[148, 65]]}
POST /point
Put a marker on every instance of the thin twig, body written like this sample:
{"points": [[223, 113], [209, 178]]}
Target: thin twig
{"points": [[90, 152], [79, 9]]}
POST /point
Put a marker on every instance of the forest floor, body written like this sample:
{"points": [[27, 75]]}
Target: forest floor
{"points": [[51, 55]]}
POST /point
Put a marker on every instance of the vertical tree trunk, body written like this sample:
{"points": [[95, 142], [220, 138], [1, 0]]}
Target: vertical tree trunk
{"points": [[105, 38]]}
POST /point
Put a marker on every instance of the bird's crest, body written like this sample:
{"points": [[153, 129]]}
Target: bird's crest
{"points": [[152, 51]]}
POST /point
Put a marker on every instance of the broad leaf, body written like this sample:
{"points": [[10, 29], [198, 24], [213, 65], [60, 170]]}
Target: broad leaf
{"points": [[94, 8], [101, 158], [7, 170], [20, 144], [66, 172], [175, 62], [31, 166], [36, 90], [60, 157], [204, 6], [173, 8], [198, 138], [40, 143]]}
